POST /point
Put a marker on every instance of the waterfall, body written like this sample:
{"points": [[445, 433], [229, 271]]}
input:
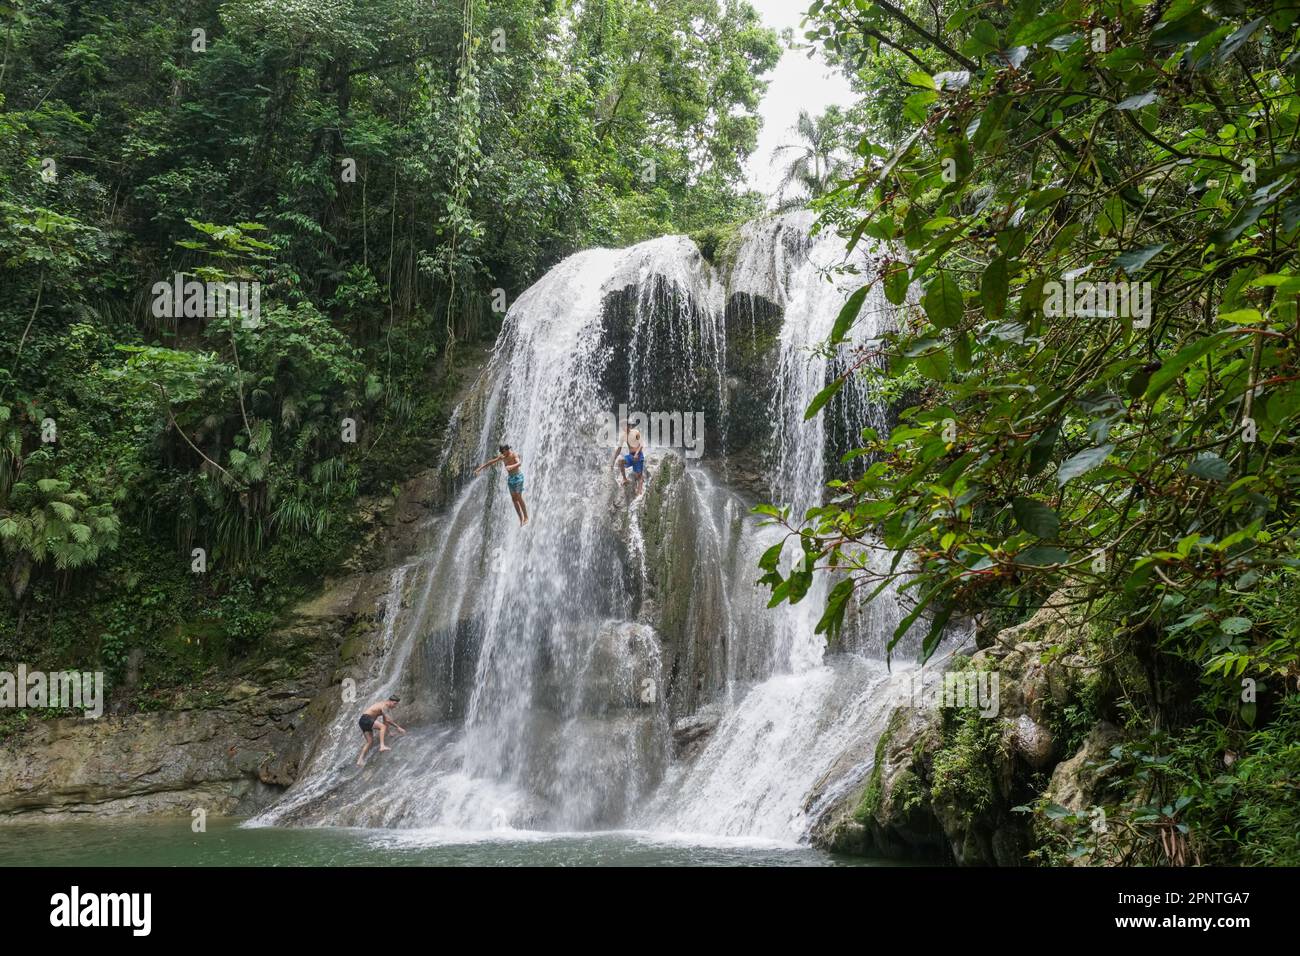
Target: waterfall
{"points": [[613, 664]]}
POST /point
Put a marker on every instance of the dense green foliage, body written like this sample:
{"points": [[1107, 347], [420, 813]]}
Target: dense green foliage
{"points": [[390, 173], [1139, 451]]}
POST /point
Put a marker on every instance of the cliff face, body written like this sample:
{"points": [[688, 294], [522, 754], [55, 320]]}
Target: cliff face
{"points": [[228, 745], [231, 743], [946, 783]]}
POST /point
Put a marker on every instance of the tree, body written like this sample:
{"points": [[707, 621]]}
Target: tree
{"points": [[1096, 206], [819, 158]]}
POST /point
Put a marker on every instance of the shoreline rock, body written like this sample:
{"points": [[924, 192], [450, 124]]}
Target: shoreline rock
{"points": [[945, 782]]}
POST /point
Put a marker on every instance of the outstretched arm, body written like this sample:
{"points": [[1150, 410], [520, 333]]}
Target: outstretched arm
{"points": [[488, 463], [388, 719]]}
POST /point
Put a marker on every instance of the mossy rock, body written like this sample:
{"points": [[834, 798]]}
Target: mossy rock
{"points": [[719, 245]]}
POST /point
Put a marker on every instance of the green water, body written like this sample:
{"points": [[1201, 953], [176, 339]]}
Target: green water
{"points": [[173, 843]]}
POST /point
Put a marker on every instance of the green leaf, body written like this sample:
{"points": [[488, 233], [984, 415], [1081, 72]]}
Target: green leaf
{"points": [[1209, 467], [1035, 517], [961, 352], [1044, 197], [943, 301], [933, 365], [1168, 373], [993, 288], [915, 107], [1248, 712], [1284, 404], [1138, 383], [771, 557], [1082, 462], [1235, 40], [1138, 101], [822, 397], [897, 282], [1041, 452], [1063, 43], [932, 637], [1134, 260], [1054, 811], [1040, 556], [1044, 27], [832, 619], [1186, 29], [990, 122], [848, 315], [983, 39]]}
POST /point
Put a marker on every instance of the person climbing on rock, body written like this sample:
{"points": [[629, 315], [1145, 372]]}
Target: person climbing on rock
{"points": [[514, 463], [634, 458], [383, 713]]}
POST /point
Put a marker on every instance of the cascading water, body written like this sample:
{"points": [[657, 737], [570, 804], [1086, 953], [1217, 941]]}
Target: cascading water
{"points": [[788, 731], [613, 664]]}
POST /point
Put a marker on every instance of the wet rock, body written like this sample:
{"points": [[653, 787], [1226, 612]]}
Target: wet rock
{"points": [[227, 744], [1031, 741], [1009, 846], [242, 691], [691, 734], [622, 669], [947, 781], [1075, 781]]}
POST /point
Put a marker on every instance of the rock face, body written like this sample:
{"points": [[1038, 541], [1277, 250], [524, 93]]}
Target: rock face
{"points": [[945, 781], [753, 325], [227, 745], [231, 743], [1075, 782]]}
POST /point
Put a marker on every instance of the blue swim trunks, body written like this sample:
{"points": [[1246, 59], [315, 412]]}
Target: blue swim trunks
{"points": [[515, 482], [635, 461]]}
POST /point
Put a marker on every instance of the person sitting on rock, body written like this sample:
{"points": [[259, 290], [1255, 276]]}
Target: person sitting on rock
{"points": [[383, 713]]}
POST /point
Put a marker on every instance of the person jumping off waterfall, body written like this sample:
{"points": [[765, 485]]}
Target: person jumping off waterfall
{"points": [[514, 463], [635, 457], [383, 713]]}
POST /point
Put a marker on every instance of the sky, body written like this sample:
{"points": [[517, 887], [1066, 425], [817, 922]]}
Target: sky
{"points": [[796, 83]]}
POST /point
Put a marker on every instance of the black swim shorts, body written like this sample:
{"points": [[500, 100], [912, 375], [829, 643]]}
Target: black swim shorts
{"points": [[367, 723]]}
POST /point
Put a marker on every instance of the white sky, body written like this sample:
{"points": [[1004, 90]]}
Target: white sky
{"points": [[796, 83]]}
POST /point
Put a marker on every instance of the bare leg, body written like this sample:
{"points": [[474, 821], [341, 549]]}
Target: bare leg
{"points": [[523, 507], [383, 732], [640, 482], [370, 739]]}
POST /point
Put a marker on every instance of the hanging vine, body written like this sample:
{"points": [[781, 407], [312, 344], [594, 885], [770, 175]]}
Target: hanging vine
{"points": [[466, 155]]}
